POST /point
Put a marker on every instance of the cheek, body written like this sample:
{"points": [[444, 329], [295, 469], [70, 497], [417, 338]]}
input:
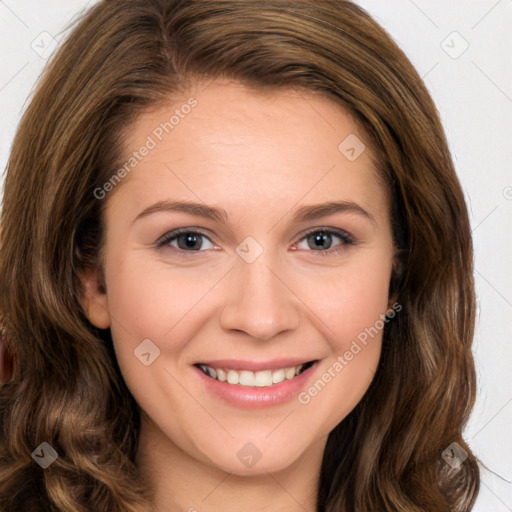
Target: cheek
{"points": [[351, 306], [150, 300], [351, 299]]}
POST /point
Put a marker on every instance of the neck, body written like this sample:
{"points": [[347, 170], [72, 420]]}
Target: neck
{"points": [[181, 483]]}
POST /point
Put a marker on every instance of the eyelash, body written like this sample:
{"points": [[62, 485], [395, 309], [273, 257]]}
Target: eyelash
{"points": [[344, 237]]}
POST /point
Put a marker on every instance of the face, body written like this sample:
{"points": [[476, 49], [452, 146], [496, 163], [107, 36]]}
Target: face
{"points": [[247, 324]]}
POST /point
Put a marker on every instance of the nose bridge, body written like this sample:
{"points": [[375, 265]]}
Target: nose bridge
{"points": [[259, 302]]}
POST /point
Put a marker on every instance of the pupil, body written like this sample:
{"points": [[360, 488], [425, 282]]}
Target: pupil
{"points": [[319, 239], [191, 242]]}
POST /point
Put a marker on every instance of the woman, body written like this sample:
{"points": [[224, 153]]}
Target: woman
{"points": [[269, 372]]}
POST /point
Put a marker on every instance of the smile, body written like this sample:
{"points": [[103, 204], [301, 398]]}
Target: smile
{"points": [[248, 378]]}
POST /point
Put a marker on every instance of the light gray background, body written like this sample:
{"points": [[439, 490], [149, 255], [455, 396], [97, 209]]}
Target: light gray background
{"points": [[473, 91]]}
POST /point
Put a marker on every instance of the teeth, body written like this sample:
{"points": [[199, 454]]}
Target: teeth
{"points": [[262, 379], [233, 377], [278, 376], [289, 373], [246, 378], [211, 372]]}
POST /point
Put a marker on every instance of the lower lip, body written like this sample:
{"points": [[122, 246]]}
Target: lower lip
{"points": [[256, 397]]}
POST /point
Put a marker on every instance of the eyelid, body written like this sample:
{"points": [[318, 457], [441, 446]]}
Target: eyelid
{"points": [[346, 237], [170, 235]]}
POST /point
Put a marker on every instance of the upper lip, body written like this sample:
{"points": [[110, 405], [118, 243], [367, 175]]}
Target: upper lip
{"points": [[252, 365]]}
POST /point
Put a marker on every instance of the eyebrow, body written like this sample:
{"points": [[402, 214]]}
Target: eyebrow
{"points": [[303, 214]]}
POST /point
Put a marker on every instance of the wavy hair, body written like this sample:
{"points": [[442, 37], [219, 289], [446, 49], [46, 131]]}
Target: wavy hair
{"points": [[126, 56]]}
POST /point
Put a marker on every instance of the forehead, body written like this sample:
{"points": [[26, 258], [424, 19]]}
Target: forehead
{"points": [[249, 148]]}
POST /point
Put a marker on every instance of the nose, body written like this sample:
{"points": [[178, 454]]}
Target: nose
{"points": [[260, 301]]}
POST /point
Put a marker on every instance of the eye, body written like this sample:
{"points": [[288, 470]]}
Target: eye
{"points": [[186, 240], [321, 241], [318, 240]]}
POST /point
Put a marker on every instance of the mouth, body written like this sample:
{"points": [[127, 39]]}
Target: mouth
{"points": [[264, 378]]}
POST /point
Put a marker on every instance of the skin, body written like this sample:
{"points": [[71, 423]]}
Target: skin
{"points": [[260, 157]]}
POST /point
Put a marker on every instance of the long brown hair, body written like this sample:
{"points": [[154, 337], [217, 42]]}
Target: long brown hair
{"points": [[126, 56]]}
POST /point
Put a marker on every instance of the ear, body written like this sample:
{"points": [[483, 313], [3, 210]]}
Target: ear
{"points": [[94, 299]]}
